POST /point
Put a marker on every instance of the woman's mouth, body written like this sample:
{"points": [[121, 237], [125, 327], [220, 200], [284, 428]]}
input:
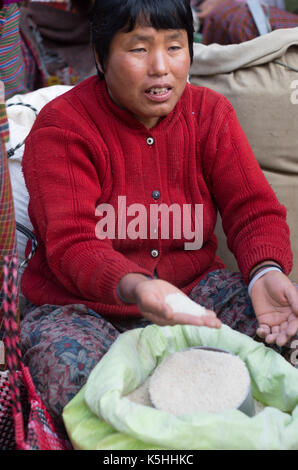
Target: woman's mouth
{"points": [[159, 93]]}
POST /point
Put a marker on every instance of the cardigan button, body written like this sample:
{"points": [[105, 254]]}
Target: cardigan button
{"points": [[150, 141], [156, 194], [154, 253]]}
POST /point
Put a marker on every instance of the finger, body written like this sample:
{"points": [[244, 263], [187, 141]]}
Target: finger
{"points": [[162, 314], [271, 338], [276, 329], [292, 327], [276, 333], [210, 312], [157, 319], [184, 319], [263, 331], [286, 334], [284, 326], [209, 319], [282, 339], [283, 336]]}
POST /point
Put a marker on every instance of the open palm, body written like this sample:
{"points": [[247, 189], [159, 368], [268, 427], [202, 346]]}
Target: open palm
{"points": [[151, 303], [275, 302]]}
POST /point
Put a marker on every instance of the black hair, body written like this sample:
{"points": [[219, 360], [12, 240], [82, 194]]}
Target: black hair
{"points": [[112, 16]]}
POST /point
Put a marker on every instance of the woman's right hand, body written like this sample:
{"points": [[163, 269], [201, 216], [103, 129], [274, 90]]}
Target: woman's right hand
{"points": [[149, 295]]}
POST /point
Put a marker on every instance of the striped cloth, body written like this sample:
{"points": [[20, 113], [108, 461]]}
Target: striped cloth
{"points": [[7, 221], [4, 130], [12, 66], [231, 23]]}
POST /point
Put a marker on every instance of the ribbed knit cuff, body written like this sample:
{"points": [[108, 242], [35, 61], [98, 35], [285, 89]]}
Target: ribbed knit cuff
{"points": [[112, 278], [262, 253], [96, 277]]}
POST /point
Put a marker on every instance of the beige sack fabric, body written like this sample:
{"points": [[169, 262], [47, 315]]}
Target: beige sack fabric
{"points": [[260, 79]]}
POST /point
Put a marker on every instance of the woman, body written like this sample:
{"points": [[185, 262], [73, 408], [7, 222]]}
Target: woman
{"points": [[132, 140]]}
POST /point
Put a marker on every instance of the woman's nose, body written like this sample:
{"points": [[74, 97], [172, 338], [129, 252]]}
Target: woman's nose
{"points": [[158, 63]]}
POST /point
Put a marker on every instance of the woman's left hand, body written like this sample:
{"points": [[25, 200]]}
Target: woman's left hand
{"points": [[275, 302]]}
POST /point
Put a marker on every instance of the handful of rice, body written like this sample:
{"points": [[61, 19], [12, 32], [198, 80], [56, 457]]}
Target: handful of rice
{"points": [[180, 303]]}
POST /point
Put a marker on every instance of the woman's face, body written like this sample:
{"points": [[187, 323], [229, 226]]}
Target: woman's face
{"points": [[146, 71]]}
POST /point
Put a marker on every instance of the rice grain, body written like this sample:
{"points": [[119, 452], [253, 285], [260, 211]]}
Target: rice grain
{"points": [[199, 380], [180, 303], [141, 394]]}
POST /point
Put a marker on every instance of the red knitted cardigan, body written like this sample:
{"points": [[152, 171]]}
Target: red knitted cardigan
{"points": [[84, 151]]}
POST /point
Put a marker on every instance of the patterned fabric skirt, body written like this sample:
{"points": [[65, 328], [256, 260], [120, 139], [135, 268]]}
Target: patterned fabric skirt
{"points": [[61, 345], [232, 23]]}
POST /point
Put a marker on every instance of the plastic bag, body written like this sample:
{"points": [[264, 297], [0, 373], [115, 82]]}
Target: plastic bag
{"points": [[101, 417]]}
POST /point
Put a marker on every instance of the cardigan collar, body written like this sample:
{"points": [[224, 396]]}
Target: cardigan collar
{"points": [[128, 119]]}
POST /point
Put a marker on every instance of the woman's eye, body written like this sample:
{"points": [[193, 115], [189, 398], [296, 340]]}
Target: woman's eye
{"points": [[174, 48], [138, 49]]}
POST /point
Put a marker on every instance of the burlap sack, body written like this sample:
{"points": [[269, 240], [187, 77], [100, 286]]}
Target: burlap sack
{"points": [[260, 78]]}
